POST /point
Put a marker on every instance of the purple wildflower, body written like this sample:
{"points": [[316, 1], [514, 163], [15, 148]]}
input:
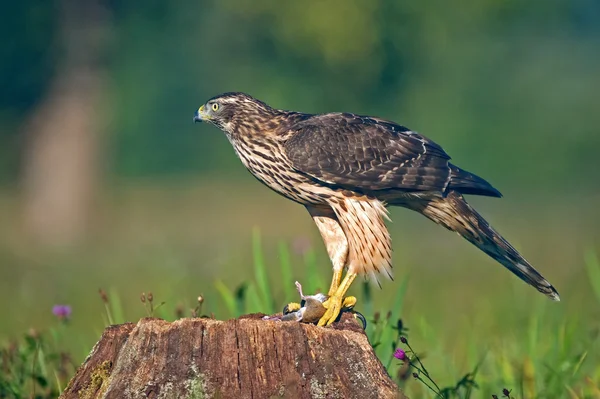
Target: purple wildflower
{"points": [[63, 312], [400, 354]]}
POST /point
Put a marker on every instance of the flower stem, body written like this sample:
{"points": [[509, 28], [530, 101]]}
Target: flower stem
{"points": [[437, 393], [424, 370], [108, 313]]}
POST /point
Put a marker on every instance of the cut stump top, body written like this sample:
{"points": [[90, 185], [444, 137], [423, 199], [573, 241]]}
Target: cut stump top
{"points": [[241, 358]]}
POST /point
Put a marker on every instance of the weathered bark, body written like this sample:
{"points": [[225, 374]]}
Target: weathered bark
{"points": [[243, 358]]}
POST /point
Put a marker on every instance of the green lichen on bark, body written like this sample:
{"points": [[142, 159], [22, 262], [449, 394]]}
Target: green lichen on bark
{"points": [[99, 381], [197, 387]]}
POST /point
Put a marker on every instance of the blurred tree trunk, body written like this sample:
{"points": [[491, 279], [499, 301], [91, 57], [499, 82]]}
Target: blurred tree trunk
{"points": [[62, 159]]}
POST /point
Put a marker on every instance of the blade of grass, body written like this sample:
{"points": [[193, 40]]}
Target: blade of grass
{"points": [[572, 392], [367, 298], [57, 380], [227, 296], [41, 361], [116, 315], [241, 298], [35, 359], [367, 306], [286, 271], [592, 266], [260, 273], [162, 311], [579, 363], [594, 388], [387, 335], [254, 304]]}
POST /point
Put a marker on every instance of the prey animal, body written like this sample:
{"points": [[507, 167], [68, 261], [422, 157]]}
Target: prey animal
{"points": [[346, 169]]}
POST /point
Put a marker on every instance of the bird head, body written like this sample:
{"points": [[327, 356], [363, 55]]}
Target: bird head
{"points": [[225, 111]]}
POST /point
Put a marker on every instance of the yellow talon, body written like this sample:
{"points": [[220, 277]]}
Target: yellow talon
{"points": [[348, 303], [334, 307], [336, 302], [335, 282], [291, 307]]}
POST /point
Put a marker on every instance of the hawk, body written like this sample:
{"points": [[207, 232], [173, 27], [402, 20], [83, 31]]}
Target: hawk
{"points": [[346, 169]]}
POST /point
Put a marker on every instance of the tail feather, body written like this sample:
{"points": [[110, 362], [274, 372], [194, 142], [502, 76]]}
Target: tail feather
{"points": [[467, 183], [454, 213]]}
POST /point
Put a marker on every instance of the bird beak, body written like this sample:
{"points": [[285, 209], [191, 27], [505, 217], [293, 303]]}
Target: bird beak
{"points": [[199, 116]]}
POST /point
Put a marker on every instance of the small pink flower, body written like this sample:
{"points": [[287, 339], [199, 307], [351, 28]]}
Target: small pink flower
{"points": [[63, 312], [400, 354]]}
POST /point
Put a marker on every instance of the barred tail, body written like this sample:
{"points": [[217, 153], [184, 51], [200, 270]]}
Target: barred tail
{"points": [[455, 214]]}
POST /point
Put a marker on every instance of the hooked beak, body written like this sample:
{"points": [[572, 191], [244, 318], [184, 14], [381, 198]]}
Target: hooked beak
{"points": [[199, 116]]}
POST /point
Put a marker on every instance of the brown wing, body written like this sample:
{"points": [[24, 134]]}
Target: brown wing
{"points": [[367, 154]]}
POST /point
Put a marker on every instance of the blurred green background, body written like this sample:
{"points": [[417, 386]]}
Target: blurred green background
{"points": [[105, 182]]}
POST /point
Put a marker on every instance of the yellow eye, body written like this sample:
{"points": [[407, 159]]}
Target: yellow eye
{"points": [[215, 107]]}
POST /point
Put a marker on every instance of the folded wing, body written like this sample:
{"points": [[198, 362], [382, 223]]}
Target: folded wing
{"points": [[367, 154]]}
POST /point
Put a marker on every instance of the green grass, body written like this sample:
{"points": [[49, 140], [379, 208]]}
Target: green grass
{"points": [[551, 354], [460, 311]]}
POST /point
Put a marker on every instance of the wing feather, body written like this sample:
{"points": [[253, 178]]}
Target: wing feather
{"points": [[367, 154]]}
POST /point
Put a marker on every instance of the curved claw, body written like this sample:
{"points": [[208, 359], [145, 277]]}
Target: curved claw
{"points": [[363, 320]]}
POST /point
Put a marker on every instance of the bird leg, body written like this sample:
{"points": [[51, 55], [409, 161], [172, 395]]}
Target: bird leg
{"points": [[335, 240], [335, 281], [295, 306], [299, 289], [336, 302]]}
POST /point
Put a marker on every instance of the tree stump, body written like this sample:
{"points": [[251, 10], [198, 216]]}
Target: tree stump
{"points": [[242, 358]]}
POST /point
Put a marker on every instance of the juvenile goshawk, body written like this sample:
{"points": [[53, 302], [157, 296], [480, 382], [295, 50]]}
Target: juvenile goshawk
{"points": [[345, 169]]}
